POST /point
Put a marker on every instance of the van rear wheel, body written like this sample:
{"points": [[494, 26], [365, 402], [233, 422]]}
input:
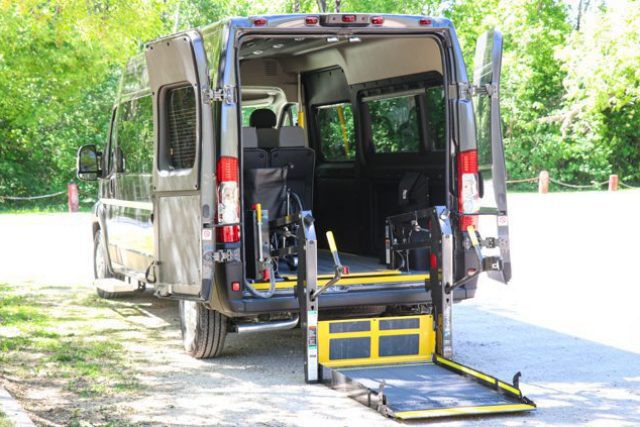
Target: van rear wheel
{"points": [[203, 330]]}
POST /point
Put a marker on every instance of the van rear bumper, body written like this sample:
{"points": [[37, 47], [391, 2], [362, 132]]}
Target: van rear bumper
{"points": [[289, 303]]}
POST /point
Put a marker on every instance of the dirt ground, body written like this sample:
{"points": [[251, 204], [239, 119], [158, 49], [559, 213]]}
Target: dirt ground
{"points": [[567, 321]]}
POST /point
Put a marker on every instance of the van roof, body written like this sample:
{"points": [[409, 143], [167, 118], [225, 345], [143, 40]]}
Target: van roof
{"points": [[310, 21]]}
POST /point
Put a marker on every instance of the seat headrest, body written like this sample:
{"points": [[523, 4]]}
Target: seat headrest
{"points": [[290, 136], [263, 118], [249, 137]]}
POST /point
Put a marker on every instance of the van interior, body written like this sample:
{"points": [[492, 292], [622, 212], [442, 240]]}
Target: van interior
{"points": [[353, 129]]}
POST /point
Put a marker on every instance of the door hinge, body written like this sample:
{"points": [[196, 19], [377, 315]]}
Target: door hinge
{"points": [[467, 91], [226, 94], [226, 255]]}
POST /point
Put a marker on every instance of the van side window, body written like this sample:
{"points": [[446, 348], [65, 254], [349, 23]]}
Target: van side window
{"points": [[395, 127], [335, 124], [134, 127], [435, 116], [178, 148]]}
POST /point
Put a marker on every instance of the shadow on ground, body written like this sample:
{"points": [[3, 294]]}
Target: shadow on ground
{"points": [[571, 379]]}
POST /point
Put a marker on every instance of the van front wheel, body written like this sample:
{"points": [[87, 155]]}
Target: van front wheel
{"points": [[203, 330]]}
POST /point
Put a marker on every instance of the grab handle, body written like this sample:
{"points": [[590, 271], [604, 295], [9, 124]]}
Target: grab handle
{"points": [[337, 265]]}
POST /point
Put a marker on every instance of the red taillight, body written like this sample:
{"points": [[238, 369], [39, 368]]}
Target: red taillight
{"points": [[259, 22], [349, 18], [425, 21], [377, 20], [433, 261], [228, 200], [311, 20], [235, 286], [227, 169], [468, 189]]}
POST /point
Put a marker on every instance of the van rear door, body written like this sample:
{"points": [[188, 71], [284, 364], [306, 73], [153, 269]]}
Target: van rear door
{"points": [[491, 163], [178, 76]]}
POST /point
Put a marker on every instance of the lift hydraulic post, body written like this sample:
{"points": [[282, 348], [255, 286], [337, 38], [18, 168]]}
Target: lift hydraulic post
{"points": [[401, 365]]}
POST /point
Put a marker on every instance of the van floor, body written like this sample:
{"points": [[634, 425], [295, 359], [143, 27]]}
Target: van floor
{"points": [[355, 263], [363, 270]]}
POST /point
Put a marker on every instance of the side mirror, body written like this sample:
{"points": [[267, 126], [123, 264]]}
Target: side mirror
{"points": [[88, 163]]}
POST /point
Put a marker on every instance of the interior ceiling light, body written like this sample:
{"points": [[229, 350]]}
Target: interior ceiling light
{"points": [[257, 52], [299, 39], [332, 39], [278, 46], [354, 39]]}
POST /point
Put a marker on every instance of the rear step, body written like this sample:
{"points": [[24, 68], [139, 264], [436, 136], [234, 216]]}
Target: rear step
{"points": [[114, 285], [389, 365]]}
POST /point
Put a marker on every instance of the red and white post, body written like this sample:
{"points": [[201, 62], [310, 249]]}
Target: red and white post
{"points": [[73, 197], [613, 182], [543, 182]]}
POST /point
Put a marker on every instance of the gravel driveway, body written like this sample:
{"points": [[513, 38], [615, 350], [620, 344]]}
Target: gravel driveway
{"points": [[568, 321]]}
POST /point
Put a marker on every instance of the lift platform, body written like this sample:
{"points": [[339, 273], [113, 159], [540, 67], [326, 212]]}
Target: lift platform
{"points": [[390, 365], [400, 366]]}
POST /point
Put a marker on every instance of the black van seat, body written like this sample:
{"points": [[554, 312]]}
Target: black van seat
{"points": [[254, 157], [264, 120], [300, 160]]}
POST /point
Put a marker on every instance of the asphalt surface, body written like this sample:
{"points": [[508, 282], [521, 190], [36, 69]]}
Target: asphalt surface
{"points": [[568, 321]]}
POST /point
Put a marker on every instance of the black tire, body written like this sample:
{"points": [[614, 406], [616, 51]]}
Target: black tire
{"points": [[100, 270], [203, 330]]}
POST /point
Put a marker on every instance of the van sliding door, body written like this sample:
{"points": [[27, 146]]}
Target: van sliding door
{"points": [[183, 125]]}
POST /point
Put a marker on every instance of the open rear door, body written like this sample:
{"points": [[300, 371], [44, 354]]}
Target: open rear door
{"points": [[494, 220], [178, 75]]}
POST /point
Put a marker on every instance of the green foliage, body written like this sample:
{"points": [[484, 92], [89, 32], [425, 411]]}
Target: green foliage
{"points": [[570, 97]]}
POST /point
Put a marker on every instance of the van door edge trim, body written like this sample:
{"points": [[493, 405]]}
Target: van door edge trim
{"points": [[147, 206]]}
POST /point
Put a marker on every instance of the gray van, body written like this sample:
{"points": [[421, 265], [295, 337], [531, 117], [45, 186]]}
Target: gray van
{"points": [[232, 145]]}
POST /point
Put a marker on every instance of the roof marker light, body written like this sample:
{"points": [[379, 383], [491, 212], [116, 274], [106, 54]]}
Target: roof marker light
{"points": [[311, 20], [377, 20], [426, 21], [259, 22]]}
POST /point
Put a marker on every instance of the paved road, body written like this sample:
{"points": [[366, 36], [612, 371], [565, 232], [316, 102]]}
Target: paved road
{"points": [[568, 321]]}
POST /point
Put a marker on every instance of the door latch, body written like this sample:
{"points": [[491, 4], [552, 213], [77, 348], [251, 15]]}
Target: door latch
{"points": [[225, 255], [492, 263]]}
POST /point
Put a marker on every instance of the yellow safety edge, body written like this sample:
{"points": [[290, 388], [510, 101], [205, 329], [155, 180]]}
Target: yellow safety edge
{"points": [[477, 374], [426, 341], [358, 274], [466, 410], [351, 280]]}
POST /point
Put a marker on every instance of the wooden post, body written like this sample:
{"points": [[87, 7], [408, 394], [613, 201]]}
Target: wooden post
{"points": [[73, 196], [543, 182], [613, 182]]}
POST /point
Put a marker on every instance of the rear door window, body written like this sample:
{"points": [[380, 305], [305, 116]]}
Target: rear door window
{"points": [[180, 139], [337, 135]]}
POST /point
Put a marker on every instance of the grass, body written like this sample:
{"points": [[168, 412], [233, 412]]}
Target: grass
{"points": [[48, 339], [4, 421]]}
